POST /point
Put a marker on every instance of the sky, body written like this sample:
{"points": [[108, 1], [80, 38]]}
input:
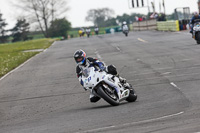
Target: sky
{"points": [[78, 9]]}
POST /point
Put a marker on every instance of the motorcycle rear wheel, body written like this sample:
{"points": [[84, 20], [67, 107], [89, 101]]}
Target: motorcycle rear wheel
{"points": [[132, 96]]}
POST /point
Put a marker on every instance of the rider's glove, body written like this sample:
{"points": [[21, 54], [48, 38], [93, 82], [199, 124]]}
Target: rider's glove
{"points": [[101, 67]]}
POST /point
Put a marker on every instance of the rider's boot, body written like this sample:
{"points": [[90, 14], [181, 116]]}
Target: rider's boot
{"points": [[93, 98]]}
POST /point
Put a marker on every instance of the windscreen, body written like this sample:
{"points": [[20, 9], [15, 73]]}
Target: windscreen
{"points": [[86, 72]]}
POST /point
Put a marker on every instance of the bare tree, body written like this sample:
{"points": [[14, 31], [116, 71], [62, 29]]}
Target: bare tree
{"points": [[98, 16], [43, 11]]}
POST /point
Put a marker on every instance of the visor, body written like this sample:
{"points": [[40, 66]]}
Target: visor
{"points": [[80, 60]]}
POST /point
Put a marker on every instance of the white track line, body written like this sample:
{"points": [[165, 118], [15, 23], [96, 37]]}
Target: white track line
{"points": [[45, 50], [166, 73], [118, 49], [167, 68], [23, 64], [142, 40], [132, 123], [173, 84]]}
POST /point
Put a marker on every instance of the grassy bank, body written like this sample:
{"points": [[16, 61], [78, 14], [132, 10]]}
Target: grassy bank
{"points": [[12, 55]]}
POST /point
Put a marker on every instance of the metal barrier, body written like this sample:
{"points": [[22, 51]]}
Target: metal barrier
{"points": [[168, 26], [145, 25], [156, 25]]}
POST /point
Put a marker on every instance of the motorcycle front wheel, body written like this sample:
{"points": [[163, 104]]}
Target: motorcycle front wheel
{"points": [[197, 36], [109, 97]]}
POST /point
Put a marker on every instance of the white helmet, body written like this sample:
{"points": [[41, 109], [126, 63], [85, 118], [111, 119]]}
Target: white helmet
{"points": [[196, 13], [124, 22]]}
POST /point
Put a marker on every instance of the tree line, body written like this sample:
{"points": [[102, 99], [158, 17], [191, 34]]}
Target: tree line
{"points": [[44, 13]]}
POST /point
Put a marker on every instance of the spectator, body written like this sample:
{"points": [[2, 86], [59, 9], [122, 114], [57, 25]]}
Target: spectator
{"points": [[140, 19], [136, 18], [161, 17], [154, 15], [143, 18]]}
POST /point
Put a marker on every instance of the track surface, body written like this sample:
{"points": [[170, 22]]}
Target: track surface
{"points": [[44, 95]]}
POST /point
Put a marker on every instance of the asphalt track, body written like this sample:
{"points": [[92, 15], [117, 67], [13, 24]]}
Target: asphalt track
{"points": [[44, 95]]}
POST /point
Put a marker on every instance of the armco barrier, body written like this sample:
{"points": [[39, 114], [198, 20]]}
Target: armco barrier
{"points": [[131, 27], [168, 26], [145, 25], [155, 25]]}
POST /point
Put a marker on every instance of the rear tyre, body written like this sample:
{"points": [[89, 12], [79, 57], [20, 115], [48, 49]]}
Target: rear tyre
{"points": [[126, 34], [132, 96], [112, 99]]}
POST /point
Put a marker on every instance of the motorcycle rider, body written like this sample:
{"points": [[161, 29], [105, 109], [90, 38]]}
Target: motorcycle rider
{"points": [[88, 30], [96, 29], [195, 18], [80, 32], [84, 62], [124, 26]]}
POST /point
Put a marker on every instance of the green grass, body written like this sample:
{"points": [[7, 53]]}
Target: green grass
{"points": [[12, 55], [37, 36]]}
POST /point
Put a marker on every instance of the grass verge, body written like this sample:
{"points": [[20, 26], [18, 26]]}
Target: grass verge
{"points": [[12, 55]]}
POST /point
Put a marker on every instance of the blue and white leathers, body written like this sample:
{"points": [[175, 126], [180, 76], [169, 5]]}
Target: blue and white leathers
{"points": [[92, 79]]}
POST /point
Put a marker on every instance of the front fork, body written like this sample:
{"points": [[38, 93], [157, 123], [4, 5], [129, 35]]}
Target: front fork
{"points": [[193, 35], [115, 83]]}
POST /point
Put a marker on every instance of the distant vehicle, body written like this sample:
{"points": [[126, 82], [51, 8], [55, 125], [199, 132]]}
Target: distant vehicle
{"points": [[81, 32], [96, 29], [125, 30], [196, 32], [107, 86], [88, 30]]}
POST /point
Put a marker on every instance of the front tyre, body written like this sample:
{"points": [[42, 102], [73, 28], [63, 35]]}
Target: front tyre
{"points": [[198, 37], [132, 96], [111, 98]]}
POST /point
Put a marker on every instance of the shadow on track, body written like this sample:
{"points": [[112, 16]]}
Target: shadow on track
{"points": [[107, 106]]}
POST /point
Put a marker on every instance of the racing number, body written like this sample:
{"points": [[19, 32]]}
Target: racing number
{"points": [[89, 79]]}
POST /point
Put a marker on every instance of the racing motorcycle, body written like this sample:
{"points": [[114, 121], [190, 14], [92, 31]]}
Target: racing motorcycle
{"points": [[125, 30], [88, 32], [196, 32], [106, 86]]}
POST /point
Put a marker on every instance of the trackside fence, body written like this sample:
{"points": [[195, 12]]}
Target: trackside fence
{"points": [[156, 25]]}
